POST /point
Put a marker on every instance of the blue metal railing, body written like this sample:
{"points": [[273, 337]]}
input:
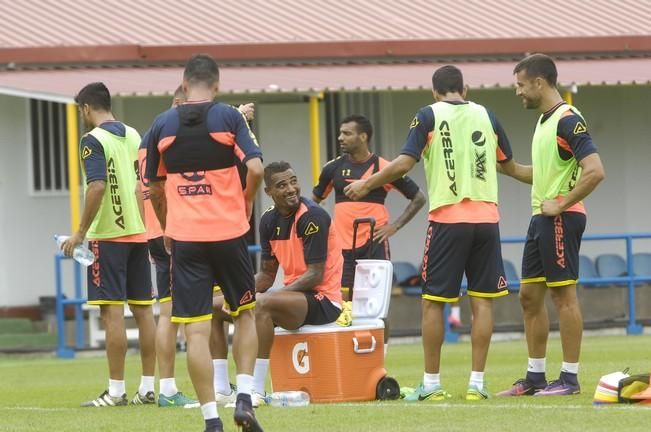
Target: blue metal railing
{"points": [[64, 351], [631, 280], [61, 302]]}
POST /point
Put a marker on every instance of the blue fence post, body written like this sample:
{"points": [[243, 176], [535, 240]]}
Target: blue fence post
{"points": [[633, 327], [450, 335], [79, 314], [62, 351]]}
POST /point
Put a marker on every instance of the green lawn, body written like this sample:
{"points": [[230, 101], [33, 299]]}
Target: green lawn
{"points": [[43, 394]]}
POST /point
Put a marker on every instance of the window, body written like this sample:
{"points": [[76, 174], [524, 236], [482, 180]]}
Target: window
{"points": [[49, 152]]}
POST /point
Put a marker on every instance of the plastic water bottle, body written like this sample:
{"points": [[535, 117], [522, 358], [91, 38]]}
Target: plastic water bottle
{"points": [[288, 399], [81, 254]]}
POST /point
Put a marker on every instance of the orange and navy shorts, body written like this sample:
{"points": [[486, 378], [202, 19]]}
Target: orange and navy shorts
{"points": [[198, 266], [454, 248], [380, 251], [162, 263], [121, 272], [551, 252]]}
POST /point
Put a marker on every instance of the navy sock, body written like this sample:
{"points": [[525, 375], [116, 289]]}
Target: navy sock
{"points": [[569, 378], [246, 399], [537, 378], [214, 424]]}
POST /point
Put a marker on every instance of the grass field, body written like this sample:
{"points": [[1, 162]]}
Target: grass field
{"points": [[43, 394]]}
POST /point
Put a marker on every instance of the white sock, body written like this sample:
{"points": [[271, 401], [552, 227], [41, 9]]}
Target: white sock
{"points": [[220, 376], [116, 388], [536, 365], [146, 385], [259, 375], [476, 379], [168, 387], [572, 368], [209, 410], [430, 381], [455, 311], [245, 384]]}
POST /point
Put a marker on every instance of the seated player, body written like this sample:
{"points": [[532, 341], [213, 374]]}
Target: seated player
{"points": [[296, 234]]}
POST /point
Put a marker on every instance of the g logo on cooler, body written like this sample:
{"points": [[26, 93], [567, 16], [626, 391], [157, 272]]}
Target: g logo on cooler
{"points": [[300, 359]]}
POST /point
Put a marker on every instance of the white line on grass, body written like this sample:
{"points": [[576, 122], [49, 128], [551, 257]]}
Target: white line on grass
{"points": [[27, 408], [427, 405], [430, 405]]}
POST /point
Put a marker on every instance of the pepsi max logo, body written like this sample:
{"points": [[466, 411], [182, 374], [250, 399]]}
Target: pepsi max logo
{"points": [[478, 138]]}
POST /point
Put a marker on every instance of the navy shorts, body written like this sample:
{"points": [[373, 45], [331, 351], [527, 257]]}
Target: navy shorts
{"points": [[551, 252], [451, 250], [121, 272], [320, 310], [162, 263], [198, 266], [380, 251]]}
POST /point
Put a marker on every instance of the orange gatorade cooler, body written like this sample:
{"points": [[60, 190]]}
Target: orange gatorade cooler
{"points": [[333, 363]]}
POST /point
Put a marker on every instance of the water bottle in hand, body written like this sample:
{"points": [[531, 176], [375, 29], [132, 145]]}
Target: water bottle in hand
{"points": [[81, 254], [288, 399]]}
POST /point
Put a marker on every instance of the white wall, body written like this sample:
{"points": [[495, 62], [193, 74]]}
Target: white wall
{"points": [[6, 141], [284, 134], [27, 222], [139, 112]]}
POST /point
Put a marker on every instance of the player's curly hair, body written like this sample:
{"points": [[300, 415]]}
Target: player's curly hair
{"points": [[274, 168]]}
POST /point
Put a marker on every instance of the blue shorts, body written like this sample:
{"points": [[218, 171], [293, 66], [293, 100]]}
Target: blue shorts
{"points": [[198, 266], [320, 310], [162, 263], [121, 272], [454, 248], [551, 252]]}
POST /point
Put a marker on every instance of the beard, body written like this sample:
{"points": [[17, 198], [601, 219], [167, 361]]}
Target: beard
{"points": [[88, 125], [530, 103]]}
